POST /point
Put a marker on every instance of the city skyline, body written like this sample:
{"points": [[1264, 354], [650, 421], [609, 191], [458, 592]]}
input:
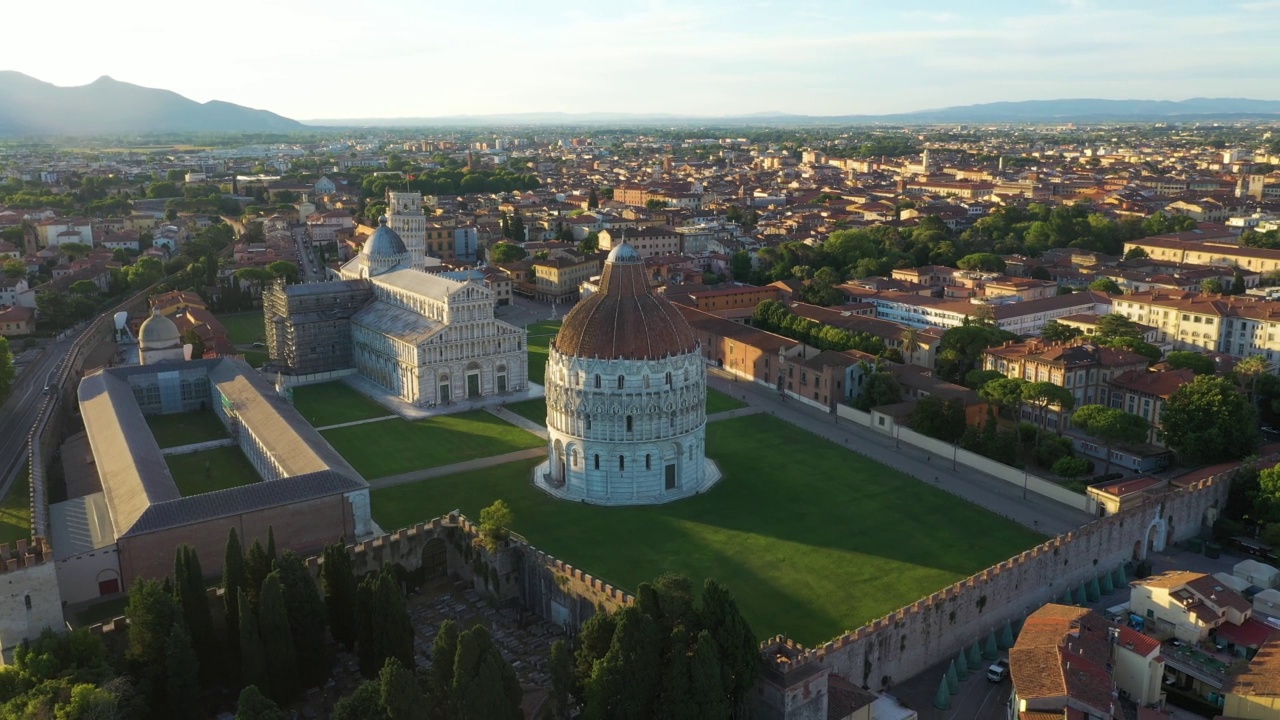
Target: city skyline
{"points": [[398, 59]]}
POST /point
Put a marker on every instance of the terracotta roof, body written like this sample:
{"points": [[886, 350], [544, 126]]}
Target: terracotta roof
{"points": [[1062, 653], [1140, 643], [1159, 384], [625, 319], [1262, 677], [1126, 486]]}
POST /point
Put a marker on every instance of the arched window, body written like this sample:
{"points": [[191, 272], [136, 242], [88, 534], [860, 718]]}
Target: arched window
{"points": [[628, 423], [573, 457], [597, 382], [597, 462], [622, 382], [668, 379], [588, 422], [646, 382], [622, 463], [648, 462]]}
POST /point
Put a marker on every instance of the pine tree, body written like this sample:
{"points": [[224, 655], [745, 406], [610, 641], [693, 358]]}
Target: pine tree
{"points": [[339, 581], [705, 679], [182, 671], [484, 685], [277, 641], [193, 603], [401, 697], [233, 581], [306, 618], [253, 657], [253, 705]]}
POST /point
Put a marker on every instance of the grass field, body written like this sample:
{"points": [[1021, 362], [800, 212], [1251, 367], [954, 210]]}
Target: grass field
{"points": [[540, 335], [813, 539], [209, 470], [334, 403], [536, 409], [244, 328], [186, 428], [15, 511], [398, 446]]}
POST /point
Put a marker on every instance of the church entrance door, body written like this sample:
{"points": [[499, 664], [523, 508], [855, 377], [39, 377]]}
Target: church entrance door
{"points": [[444, 393], [473, 385]]}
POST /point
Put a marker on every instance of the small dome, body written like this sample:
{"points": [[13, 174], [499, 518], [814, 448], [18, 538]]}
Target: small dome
{"points": [[158, 333], [384, 242], [625, 319]]}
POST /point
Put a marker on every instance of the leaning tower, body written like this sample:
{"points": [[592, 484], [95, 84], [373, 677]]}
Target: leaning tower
{"points": [[404, 216]]}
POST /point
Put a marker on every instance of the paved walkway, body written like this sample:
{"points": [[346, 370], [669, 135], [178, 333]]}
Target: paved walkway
{"points": [[735, 413], [519, 421], [1034, 511], [197, 447], [409, 411], [360, 422], [477, 464]]}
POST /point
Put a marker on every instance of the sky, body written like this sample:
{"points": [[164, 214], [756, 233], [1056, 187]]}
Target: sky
{"points": [[425, 58]]}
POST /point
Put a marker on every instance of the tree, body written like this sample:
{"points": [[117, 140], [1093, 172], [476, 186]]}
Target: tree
{"points": [[589, 244], [705, 680], [977, 378], [193, 603], [163, 189], [444, 650], [253, 656], [339, 582], [740, 265], [1106, 285], [253, 705], [1211, 286], [281, 681], [1250, 370], [495, 522], [1114, 325], [7, 371], [625, 682], [88, 288], [1195, 362], [984, 262], [878, 388], [398, 691], [738, 649], [938, 418], [484, 685], [1039, 272], [256, 278], [1004, 394], [504, 252], [233, 581], [961, 348], [306, 612], [151, 612], [1112, 426], [1071, 467], [182, 670], [382, 623], [593, 200], [15, 268], [1208, 421], [1135, 253], [256, 565], [561, 670], [286, 270], [192, 338], [1054, 331], [1044, 395], [654, 204], [363, 704]]}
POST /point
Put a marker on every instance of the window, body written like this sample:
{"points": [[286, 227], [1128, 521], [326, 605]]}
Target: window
{"points": [[573, 457], [622, 382], [668, 379], [646, 382], [628, 423], [597, 461], [27, 599], [597, 382], [648, 462], [588, 422], [622, 463]]}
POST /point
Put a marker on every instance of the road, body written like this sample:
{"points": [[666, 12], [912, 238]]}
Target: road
{"points": [[309, 269], [1036, 512], [18, 414]]}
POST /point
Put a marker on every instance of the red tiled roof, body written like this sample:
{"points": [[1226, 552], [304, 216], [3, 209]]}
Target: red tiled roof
{"points": [[1140, 643]]}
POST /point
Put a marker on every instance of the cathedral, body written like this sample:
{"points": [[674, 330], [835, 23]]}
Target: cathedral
{"points": [[626, 397], [427, 338]]}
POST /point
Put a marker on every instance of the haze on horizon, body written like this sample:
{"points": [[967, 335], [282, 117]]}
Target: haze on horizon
{"points": [[425, 58]]}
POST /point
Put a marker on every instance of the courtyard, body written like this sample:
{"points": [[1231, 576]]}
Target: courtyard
{"points": [[209, 470], [812, 538], [244, 328], [188, 428], [392, 447], [333, 403]]}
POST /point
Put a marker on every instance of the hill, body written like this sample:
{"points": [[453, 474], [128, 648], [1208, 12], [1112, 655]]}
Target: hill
{"points": [[31, 107]]}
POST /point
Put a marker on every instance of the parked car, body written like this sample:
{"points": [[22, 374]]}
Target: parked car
{"points": [[998, 671]]}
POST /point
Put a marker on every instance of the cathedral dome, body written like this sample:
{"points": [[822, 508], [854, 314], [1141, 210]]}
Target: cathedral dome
{"points": [[625, 319], [158, 333], [384, 242]]}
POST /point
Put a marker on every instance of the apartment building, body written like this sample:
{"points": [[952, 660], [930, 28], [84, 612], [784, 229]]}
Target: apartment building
{"points": [[1239, 326], [1187, 605], [1144, 393], [1084, 368], [557, 279], [649, 241]]}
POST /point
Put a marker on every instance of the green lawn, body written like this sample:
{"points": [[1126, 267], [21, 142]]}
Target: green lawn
{"points": [[186, 428], [540, 336], [15, 511], [244, 328], [256, 358], [397, 446], [334, 403], [209, 470], [812, 538], [536, 409]]}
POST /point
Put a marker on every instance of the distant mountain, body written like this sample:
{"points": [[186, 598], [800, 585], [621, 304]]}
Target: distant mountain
{"points": [[1026, 111], [31, 107]]}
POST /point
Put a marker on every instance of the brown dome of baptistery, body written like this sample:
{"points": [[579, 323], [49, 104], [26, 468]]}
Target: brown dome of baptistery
{"points": [[625, 320]]}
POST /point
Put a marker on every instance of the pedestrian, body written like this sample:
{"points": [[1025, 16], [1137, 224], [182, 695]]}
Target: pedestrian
{"points": [[928, 458]]}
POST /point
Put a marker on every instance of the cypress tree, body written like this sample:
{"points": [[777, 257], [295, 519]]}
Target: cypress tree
{"points": [[705, 683], [193, 603], [182, 673], [271, 546], [444, 650], [253, 658], [363, 704], [152, 613], [339, 583], [593, 200], [256, 565], [306, 617], [277, 641], [233, 581], [392, 619], [364, 621], [625, 682], [593, 642], [677, 700], [484, 685], [739, 653], [401, 697], [561, 669]]}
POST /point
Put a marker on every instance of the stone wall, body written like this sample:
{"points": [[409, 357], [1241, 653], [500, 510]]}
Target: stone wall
{"points": [[29, 598], [905, 642]]}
